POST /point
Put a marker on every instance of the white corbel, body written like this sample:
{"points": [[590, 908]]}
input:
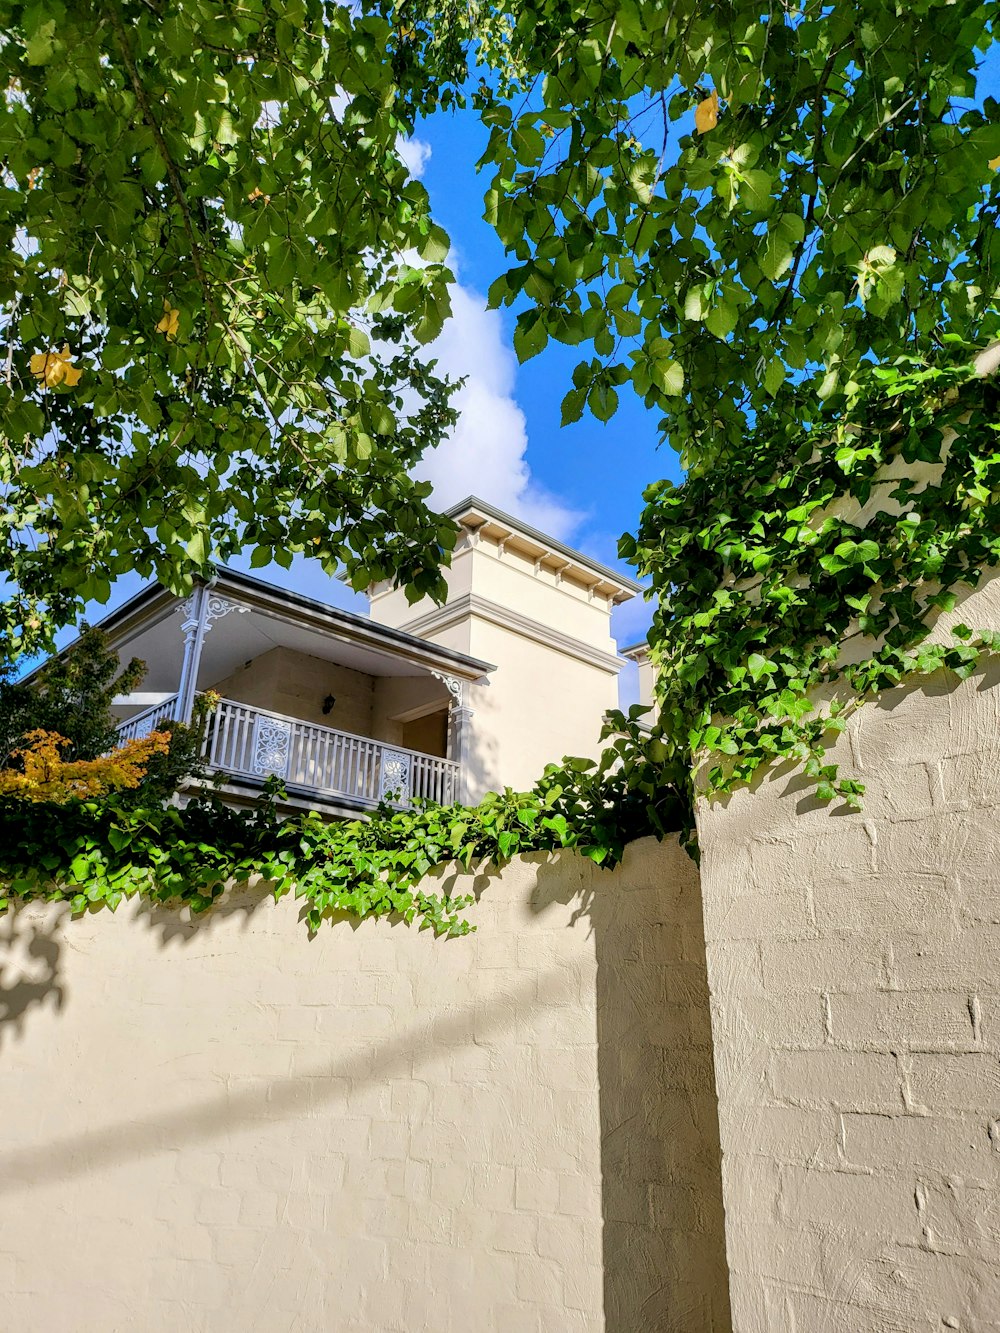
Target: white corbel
{"points": [[454, 686], [201, 610]]}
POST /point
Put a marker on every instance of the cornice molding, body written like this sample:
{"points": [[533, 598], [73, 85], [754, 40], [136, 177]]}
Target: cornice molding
{"points": [[472, 604]]}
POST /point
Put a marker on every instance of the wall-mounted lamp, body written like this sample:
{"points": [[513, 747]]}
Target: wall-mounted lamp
{"points": [[328, 703]]}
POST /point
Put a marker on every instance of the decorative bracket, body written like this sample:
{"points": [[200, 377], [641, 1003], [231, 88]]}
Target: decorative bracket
{"points": [[189, 625], [216, 606], [453, 685]]}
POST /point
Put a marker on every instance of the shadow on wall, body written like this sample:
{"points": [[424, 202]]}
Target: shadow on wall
{"points": [[30, 968], [664, 1237], [327, 1083], [481, 773], [664, 1260]]}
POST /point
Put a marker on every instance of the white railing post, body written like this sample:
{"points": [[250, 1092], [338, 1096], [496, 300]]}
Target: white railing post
{"points": [[138, 727]]}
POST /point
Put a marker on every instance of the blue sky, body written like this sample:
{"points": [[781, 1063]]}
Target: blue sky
{"points": [[582, 484], [597, 470]]}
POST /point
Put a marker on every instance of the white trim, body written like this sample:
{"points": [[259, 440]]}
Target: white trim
{"points": [[471, 603], [421, 710], [142, 698]]}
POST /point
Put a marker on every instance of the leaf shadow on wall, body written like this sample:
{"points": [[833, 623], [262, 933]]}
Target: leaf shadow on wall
{"points": [[30, 967]]}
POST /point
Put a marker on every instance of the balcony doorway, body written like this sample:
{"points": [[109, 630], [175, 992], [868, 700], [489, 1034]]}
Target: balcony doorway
{"points": [[428, 734]]}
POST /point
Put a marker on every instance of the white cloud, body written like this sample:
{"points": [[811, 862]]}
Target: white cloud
{"points": [[415, 153], [485, 453]]}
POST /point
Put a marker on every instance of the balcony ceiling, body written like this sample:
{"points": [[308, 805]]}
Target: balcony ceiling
{"points": [[149, 627]]}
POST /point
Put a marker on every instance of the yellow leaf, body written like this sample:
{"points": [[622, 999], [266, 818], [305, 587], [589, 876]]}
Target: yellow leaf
{"points": [[54, 368], [995, 164], [170, 322], [706, 113]]}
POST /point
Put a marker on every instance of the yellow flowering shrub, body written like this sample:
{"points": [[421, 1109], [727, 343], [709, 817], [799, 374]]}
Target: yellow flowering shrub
{"points": [[44, 775]]}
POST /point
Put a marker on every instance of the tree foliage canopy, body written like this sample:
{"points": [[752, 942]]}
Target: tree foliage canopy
{"points": [[834, 203], [775, 223], [215, 279]]}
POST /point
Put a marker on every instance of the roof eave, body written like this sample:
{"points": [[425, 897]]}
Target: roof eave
{"points": [[154, 601], [624, 588]]}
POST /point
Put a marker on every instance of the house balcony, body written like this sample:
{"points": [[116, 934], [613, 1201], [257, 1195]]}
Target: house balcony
{"points": [[345, 712], [315, 763]]}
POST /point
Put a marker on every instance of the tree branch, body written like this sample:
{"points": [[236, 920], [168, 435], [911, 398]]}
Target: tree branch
{"points": [[173, 172]]}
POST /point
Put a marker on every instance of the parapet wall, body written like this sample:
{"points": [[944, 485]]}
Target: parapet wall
{"points": [[221, 1124], [854, 966]]}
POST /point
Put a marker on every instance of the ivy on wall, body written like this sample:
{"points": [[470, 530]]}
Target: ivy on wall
{"points": [[812, 571], [814, 568], [95, 853]]}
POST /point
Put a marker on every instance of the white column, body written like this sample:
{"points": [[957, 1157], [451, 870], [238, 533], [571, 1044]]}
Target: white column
{"points": [[460, 745], [193, 629], [200, 610], [459, 732]]}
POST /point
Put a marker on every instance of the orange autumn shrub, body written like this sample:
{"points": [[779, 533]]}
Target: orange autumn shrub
{"points": [[43, 774]]}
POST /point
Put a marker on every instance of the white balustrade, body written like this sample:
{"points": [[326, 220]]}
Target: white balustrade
{"points": [[137, 728], [256, 743]]}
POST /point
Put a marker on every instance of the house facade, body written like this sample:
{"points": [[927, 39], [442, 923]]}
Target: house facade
{"points": [[646, 684], [515, 670]]}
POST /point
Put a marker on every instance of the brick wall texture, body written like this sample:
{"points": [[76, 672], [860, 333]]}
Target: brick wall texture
{"points": [[854, 966], [220, 1124]]}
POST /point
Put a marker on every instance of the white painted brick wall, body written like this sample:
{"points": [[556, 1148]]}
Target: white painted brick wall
{"points": [[224, 1125], [854, 965]]}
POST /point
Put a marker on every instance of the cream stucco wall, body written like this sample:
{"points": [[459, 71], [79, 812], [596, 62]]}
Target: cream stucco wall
{"points": [[294, 683], [220, 1124], [854, 964], [505, 576], [543, 704], [646, 672], [556, 663], [647, 682], [397, 697]]}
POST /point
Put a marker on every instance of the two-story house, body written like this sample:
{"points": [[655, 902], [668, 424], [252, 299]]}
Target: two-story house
{"points": [[515, 670]]}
